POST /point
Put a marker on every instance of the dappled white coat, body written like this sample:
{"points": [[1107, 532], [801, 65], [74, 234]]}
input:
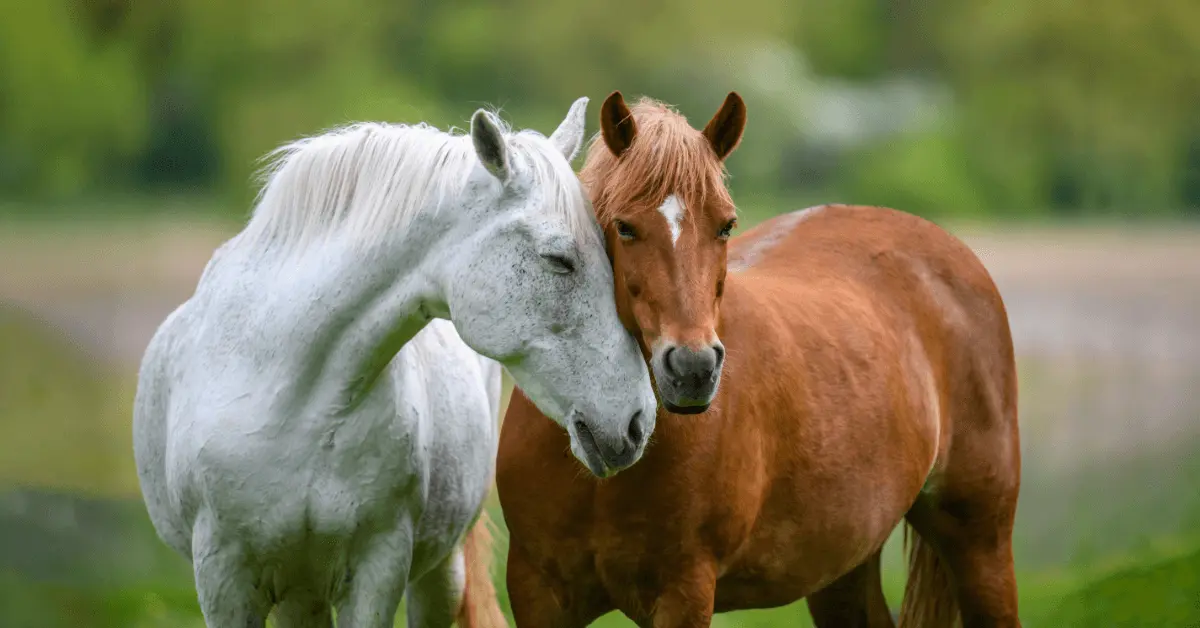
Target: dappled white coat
{"points": [[308, 428], [313, 497]]}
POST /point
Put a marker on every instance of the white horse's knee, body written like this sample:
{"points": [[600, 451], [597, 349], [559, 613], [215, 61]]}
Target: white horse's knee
{"points": [[376, 581], [227, 593], [434, 600], [226, 585]]}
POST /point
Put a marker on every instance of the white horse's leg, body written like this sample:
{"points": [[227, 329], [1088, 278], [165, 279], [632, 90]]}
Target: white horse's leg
{"points": [[225, 585], [376, 582], [433, 600]]}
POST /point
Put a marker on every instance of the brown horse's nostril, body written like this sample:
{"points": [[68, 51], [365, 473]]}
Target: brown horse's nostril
{"points": [[670, 368]]}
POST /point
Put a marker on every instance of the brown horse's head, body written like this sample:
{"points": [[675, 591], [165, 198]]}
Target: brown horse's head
{"points": [[658, 187]]}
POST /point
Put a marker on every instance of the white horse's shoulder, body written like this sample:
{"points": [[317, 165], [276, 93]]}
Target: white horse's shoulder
{"points": [[439, 358], [151, 430], [153, 387], [488, 371]]}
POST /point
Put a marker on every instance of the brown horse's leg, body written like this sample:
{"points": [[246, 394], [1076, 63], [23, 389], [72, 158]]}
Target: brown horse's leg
{"points": [[542, 602], [962, 556], [854, 600], [972, 537], [688, 601]]}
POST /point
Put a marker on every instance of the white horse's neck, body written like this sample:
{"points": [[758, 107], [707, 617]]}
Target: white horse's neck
{"points": [[331, 320]]}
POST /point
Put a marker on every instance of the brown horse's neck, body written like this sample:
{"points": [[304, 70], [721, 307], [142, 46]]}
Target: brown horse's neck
{"points": [[740, 307]]}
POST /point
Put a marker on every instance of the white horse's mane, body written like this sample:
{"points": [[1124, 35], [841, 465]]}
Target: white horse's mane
{"points": [[368, 180]]}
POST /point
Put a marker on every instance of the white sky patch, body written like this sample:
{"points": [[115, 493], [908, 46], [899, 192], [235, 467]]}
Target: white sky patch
{"points": [[672, 210]]}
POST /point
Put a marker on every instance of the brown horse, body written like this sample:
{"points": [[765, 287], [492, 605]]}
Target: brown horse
{"points": [[866, 376]]}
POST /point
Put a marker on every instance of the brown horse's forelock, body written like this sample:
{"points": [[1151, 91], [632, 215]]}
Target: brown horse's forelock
{"points": [[667, 157]]}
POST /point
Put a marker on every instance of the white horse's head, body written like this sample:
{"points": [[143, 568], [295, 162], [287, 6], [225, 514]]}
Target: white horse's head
{"points": [[491, 230], [533, 289]]}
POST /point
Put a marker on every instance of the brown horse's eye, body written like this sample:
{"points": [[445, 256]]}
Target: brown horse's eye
{"points": [[625, 230], [725, 231]]}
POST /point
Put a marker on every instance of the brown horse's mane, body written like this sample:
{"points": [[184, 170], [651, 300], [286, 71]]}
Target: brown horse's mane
{"points": [[668, 157]]}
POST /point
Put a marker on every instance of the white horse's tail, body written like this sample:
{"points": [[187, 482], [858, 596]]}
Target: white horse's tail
{"points": [[480, 608]]}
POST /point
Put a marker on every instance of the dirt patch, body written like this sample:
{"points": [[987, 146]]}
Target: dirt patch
{"points": [[108, 286]]}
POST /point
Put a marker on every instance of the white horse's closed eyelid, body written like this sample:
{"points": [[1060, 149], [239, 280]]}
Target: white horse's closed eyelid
{"points": [[559, 263]]}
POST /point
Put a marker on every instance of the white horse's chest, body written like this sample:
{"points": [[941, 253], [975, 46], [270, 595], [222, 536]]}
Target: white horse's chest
{"points": [[417, 450]]}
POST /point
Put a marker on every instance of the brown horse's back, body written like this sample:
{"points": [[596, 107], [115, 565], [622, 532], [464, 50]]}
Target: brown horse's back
{"points": [[920, 277]]}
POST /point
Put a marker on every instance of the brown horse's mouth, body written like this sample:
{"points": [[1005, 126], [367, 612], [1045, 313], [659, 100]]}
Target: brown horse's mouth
{"points": [[674, 409]]}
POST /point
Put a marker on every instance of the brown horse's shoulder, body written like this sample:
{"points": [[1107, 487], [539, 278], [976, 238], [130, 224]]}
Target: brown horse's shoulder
{"points": [[841, 237], [788, 237], [763, 241]]}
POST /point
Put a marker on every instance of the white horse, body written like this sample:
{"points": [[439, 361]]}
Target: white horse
{"points": [[311, 437]]}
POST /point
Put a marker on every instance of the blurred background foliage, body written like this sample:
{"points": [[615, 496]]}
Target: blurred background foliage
{"points": [[949, 107], [1059, 138]]}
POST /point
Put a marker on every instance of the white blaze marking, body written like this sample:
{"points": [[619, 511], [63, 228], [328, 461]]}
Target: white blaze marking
{"points": [[672, 210]]}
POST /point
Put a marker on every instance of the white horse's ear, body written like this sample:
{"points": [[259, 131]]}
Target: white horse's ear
{"points": [[568, 137], [490, 145]]}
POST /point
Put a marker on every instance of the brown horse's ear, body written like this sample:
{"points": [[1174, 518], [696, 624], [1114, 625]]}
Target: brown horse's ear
{"points": [[616, 124], [724, 131]]}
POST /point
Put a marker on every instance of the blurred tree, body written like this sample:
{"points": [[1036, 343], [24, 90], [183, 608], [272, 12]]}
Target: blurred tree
{"points": [[1053, 104], [71, 103], [848, 38], [1083, 106], [921, 172]]}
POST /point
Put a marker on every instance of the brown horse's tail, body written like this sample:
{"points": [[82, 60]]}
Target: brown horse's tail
{"points": [[929, 600], [480, 608]]}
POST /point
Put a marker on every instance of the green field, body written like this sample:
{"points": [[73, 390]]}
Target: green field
{"points": [[1103, 539]]}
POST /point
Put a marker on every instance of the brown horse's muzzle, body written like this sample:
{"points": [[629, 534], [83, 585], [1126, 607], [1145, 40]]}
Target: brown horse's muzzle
{"points": [[688, 377]]}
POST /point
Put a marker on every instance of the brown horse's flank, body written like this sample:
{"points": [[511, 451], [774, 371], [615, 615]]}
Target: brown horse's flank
{"points": [[867, 379]]}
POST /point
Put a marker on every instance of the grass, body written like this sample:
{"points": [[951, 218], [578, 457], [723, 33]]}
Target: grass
{"points": [[1152, 593], [39, 605]]}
